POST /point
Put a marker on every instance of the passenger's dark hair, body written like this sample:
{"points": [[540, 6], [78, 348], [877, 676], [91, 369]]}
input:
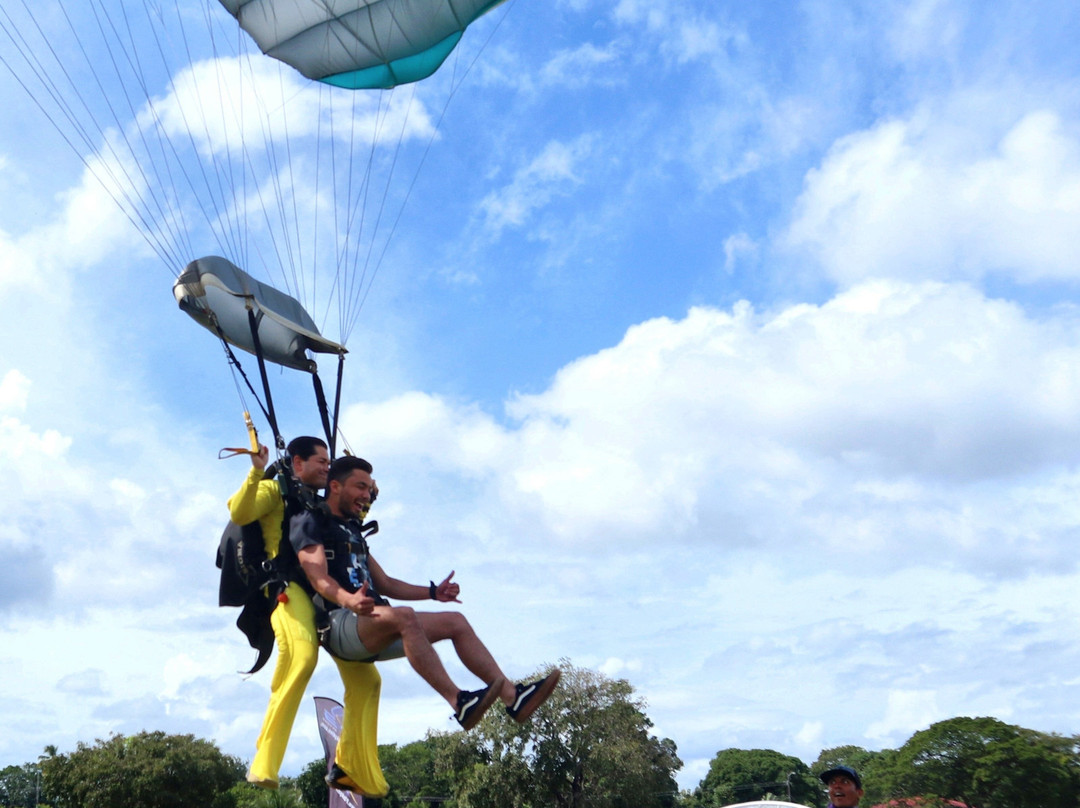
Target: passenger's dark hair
{"points": [[305, 446], [344, 466]]}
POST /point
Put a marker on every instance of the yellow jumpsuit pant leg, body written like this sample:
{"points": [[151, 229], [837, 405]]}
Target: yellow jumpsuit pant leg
{"points": [[298, 651], [358, 749]]}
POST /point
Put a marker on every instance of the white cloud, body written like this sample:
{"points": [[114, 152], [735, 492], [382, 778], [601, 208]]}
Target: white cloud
{"points": [[551, 173], [895, 416], [921, 198], [14, 391], [580, 66], [906, 712], [228, 104], [683, 33], [924, 29], [736, 248], [810, 735]]}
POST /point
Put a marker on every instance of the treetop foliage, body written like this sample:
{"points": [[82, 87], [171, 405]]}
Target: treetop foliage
{"points": [[150, 770], [589, 746]]}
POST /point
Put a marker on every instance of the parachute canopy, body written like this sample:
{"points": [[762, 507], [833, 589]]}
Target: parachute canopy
{"points": [[218, 296], [358, 44]]}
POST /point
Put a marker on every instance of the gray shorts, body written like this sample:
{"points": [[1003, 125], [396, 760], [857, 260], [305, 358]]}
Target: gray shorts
{"points": [[344, 643]]}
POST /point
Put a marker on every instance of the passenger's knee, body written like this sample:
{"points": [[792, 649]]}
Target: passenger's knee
{"points": [[457, 624], [405, 616]]}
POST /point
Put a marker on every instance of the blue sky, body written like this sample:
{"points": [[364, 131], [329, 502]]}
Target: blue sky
{"points": [[734, 345]]}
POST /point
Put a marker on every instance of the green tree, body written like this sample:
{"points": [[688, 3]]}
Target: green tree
{"points": [[987, 763], [877, 770], [588, 747], [149, 770], [743, 775], [854, 756], [425, 772], [314, 792], [246, 795], [19, 786]]}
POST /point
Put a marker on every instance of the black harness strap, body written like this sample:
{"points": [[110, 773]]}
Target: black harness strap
{"points": [[253, 323], [337, 401], [324, 416]]}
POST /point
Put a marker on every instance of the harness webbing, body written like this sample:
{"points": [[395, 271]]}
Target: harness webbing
{"points": [[271, 417], [324, 416], [337, 402]]}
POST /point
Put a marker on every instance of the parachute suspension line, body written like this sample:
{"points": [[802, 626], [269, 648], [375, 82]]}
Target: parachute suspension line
{"points": [[319, 164], [152, 201], [121, 132], [360, 285], [297, 259], [352, 282], [455, 85], [238, 207], [101, 170], [178, 235], [353, 201], [341, 241], [226, 218], [168, 212], [235, 367], [360, 205], [344, 239], [241, 214], [357, 281], [286, 260], [275, 261], [339, 246], [217, 191]]}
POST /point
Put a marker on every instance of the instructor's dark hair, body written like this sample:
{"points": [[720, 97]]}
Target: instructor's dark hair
{"points": [[304, 446], [344, 466]]}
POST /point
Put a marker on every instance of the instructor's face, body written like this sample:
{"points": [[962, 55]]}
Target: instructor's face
{"points": [[354, 494], [313, 471]]}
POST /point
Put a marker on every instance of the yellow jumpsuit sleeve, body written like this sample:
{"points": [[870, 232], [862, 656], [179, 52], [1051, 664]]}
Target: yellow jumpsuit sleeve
{"points": [[259, 499]]}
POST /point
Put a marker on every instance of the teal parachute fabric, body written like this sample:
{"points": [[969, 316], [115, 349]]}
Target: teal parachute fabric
{"points": [[358, 44]]}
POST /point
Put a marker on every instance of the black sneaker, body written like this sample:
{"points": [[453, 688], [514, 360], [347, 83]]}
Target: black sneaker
{"points": [[338, 778], [472, 704], [531, 696]]}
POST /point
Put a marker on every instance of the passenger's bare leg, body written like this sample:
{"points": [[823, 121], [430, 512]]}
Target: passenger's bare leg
{"points": [[472, 652], [388, 623]]}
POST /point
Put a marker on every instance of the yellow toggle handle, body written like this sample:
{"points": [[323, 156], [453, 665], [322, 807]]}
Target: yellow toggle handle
{"points": [[252, 434]]}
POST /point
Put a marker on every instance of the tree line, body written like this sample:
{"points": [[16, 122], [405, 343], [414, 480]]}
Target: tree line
{"points": [[958, 763], [590, 747]]}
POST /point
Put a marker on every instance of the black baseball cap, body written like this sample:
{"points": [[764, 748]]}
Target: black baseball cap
{"points": [[847, 771]]}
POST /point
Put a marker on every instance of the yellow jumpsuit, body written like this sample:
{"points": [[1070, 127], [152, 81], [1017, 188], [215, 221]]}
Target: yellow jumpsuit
{"points": [[293, 621]]}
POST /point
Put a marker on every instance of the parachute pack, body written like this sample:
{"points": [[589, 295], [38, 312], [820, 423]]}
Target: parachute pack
{"points": [[251, 579]]}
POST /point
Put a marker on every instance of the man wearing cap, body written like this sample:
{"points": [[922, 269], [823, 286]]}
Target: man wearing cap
{"points": [[843, 785]]}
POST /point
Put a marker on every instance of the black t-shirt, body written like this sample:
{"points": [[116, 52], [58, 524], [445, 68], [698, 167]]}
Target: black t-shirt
{"points": [[345, 547]]}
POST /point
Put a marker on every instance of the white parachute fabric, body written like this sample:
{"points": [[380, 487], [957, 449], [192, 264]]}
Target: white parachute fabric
{"points": [[360, 44], [218, 296]]}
